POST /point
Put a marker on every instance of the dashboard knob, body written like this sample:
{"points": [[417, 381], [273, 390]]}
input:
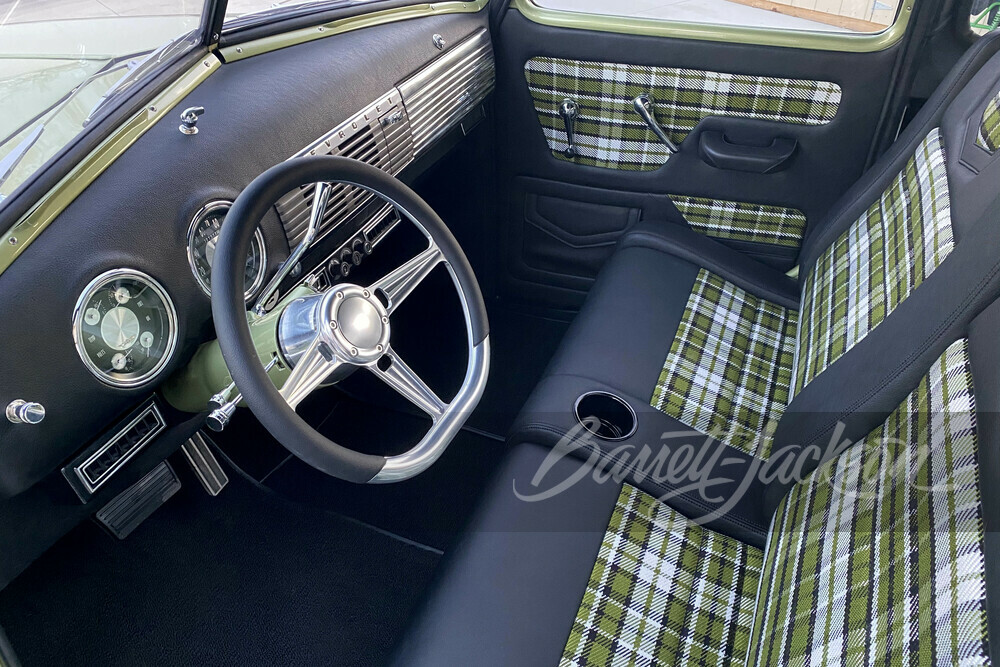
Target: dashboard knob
{"points": [[345, 269], [24, 412], [356, 257], [334, 268]]}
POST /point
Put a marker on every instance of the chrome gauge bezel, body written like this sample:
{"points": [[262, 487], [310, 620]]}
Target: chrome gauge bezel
{"points": [[89, 291], [258, 240]]}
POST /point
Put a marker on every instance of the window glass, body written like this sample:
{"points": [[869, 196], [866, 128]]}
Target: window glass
{"points": [[843, 16], [62, 63]]}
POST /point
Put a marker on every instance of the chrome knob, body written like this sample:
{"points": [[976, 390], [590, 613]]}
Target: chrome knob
{"points": [[218, 418], [24, 412], [189, 119]]}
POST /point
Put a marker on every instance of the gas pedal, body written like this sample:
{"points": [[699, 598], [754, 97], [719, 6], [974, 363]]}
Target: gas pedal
{"points": [[204, 464], [135, 504]]}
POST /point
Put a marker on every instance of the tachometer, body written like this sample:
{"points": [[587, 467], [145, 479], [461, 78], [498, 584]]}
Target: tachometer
{"points": [[125, 327], [202, 237]]}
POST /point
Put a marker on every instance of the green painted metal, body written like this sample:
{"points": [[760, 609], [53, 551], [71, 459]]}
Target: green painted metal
{"points": [[293, 37], [191, 388], [41, 215], [988, 19], [798, 39]]}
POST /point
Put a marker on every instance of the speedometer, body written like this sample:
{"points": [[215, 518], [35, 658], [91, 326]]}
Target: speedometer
{"points": [[202, 238], [124, 326]]}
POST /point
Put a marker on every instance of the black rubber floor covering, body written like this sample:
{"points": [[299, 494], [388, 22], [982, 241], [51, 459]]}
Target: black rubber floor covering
{"points": [[244, 578]]}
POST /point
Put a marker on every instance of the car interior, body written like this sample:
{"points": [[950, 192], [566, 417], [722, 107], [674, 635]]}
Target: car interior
{"points": [[501, 332]]}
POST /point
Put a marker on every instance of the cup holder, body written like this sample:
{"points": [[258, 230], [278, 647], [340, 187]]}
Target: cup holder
{"points": [[605, 415]]}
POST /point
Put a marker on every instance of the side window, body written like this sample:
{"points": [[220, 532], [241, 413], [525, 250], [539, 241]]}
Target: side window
{"points": [[985, 16], [830, 16]]}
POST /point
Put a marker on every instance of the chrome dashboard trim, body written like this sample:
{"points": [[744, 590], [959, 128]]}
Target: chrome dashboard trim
{"points": [[168, 351], [443, 92]]}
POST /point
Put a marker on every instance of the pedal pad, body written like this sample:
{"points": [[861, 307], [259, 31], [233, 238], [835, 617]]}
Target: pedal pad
{"points": [[135, 504], [206, 467]]}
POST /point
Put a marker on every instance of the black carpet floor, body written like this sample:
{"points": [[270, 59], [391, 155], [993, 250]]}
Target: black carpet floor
{"points": [[244, 578]]}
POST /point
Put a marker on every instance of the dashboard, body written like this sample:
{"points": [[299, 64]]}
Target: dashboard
{"points": [[118, 288]]}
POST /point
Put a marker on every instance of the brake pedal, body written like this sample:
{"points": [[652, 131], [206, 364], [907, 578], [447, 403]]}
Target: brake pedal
{"points": [[135, 504], [204, 464]]}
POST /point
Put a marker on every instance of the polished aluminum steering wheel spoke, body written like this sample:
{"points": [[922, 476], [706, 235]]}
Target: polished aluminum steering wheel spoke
{"points": [[407, 383], [397, 284], [312, 368]]}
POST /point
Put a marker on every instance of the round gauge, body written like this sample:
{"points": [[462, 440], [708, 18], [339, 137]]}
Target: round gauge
{"points": [[125, 328], [202, 237]]}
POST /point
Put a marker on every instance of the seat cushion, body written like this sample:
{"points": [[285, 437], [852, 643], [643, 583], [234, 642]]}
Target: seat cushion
{"points": [[876, 557], [665, 590]]}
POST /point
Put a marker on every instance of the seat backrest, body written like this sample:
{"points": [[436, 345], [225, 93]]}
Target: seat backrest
{"points": [[908, 261], [878, 557]]}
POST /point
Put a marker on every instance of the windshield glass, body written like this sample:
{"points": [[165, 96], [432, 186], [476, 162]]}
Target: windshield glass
{"points": [[61, 62]]}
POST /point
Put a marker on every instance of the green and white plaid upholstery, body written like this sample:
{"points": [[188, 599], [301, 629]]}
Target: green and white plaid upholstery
{"points": [[738, 221], [609, 133], [729, 369], [877, 558], [664, 591], [876, 263], [989, 126]]}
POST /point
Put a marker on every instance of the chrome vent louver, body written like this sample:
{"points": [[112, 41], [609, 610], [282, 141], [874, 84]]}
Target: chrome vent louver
{"points": [[379, 135], [438, 96], [397, 128]]}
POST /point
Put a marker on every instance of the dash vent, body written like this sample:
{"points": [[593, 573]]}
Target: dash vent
{"points": [[379, 135], [438, 96]]}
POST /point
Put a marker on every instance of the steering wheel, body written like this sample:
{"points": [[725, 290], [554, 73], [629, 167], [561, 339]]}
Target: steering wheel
{"points": [[345, 326]]}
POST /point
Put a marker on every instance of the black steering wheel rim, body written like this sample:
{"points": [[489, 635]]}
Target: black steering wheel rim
{"points": [[229, 306]]}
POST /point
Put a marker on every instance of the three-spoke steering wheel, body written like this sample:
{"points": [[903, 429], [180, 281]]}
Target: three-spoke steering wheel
{"points": [[347, 325]]}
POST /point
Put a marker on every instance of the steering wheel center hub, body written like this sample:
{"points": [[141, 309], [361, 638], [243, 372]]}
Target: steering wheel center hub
{"points": [[354, 323], [360, 322]]}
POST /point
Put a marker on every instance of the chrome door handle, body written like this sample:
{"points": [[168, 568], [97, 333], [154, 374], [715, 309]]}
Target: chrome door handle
{"points": [[569, 112], [644, 107]]}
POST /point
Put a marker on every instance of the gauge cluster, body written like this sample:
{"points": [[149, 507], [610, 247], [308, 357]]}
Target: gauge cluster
{"points": [[203, 235], [125, 327]]}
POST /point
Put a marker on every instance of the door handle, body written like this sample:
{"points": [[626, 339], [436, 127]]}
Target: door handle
{"points": [[644, 107], [719, 152], [569, 112]]}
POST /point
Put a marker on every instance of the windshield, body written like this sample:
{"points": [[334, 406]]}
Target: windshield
{"points": [[61, 62]]}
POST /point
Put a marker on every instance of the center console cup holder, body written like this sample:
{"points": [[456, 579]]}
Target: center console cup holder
{"points": [[605, 415]]}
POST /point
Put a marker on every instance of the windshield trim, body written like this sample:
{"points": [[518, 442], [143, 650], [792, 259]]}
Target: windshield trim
{"points": [[34, 217]]}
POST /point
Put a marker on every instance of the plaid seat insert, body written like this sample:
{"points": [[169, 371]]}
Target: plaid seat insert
{"points": [[664, 591], [877, 558], [729, 369]]}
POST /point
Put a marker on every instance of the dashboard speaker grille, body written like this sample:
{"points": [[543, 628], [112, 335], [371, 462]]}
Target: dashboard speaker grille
{"points": [[437, 97]]}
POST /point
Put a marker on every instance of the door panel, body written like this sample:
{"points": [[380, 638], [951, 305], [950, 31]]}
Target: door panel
{"points": [[769, 137]]}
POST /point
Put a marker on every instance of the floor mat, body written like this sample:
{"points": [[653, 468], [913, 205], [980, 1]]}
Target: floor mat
{"points": [[247, 577]]}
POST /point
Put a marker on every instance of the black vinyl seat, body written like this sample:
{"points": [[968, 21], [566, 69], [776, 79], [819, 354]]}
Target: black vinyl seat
{"points": [[812, 476]]}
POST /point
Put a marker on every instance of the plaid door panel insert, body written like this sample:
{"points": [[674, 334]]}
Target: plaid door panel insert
{"points": [[876, 263], [989, 128], [877, 558], [739, 221], [729, 369], [664, 591], [610, 134]]}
